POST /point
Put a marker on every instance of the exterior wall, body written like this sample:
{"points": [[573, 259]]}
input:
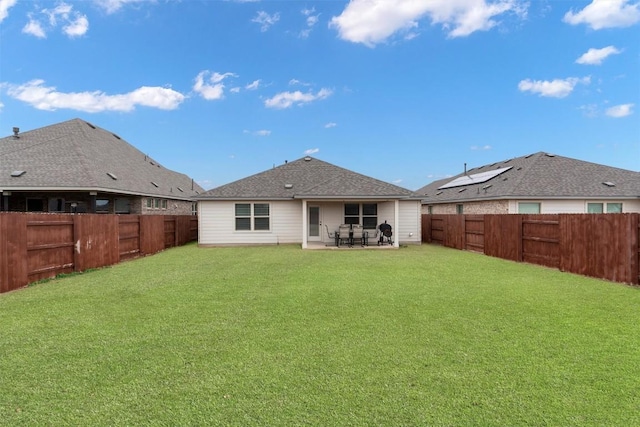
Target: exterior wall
{"points": [[470, 208], [575, 206], [216, 224], [511, 206], [409, 223]]}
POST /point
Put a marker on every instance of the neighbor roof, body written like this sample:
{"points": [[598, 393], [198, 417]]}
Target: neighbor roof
{"points": [[307, 177], [536, 176], [77, 155]]}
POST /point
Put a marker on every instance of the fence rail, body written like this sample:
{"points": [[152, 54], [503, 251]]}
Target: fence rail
{"points": [[35, 246], [605, 246]]}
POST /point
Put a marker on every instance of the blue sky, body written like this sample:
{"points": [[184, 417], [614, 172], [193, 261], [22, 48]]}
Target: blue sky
{"points": [[405, 91]]}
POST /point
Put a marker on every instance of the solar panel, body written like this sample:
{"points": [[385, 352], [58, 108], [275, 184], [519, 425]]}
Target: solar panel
{"points": [[475, 178]]}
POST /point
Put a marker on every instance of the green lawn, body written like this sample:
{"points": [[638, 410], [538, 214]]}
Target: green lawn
{"points": [[278, 336]]}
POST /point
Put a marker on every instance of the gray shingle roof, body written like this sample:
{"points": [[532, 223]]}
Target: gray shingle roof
{"points": [[307, 177], [76, 155], [539, 175]]}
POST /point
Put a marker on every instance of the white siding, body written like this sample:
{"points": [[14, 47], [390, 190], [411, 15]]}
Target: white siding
{"points": [[216, 224], [410, 222]]}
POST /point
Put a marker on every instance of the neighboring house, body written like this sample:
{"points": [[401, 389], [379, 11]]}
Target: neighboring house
{"points": [[302, 202], [75, 166], [537, 183]]}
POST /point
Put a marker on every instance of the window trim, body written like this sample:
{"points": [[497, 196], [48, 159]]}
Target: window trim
{"points": [[253, 217]]}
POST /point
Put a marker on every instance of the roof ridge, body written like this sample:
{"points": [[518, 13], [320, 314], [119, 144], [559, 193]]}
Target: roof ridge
{"points": [[81, 151]]}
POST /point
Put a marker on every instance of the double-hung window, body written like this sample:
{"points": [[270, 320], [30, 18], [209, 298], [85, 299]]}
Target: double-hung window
{"points": [[252, 216]]}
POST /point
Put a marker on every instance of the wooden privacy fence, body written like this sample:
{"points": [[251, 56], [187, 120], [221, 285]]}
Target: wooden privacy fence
{"points": [[35, 246], [605, 246]]}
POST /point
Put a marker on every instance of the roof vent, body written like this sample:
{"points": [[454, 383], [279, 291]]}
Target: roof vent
{"points": [[307, 159], [16, 131], [609, 184], [112, 176], [116, 136], [550, 155], [16, 174], [288, 186], [487, 186], [461, 190], [90, 125], [154, 184], [180, 189], [438, 193]]}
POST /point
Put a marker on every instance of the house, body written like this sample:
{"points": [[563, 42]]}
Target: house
{"points": [[305, 201], [75, 166], [536, 183]]}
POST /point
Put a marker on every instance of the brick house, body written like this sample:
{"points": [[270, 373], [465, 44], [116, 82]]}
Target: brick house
{"points": [[75, 166]]}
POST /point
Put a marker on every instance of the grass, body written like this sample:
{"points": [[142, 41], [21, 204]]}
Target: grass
{"points": [[279, 336]]}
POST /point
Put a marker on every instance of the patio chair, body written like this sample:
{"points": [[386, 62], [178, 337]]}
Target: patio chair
{"points": [[344, 234], [357, 234], [333, 236]]}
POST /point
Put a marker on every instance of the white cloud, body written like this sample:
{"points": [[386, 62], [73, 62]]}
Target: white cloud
{"points": [[287, 99], [112, 6], [34, 28], [606, 14], [74, 24], [253, 85], [596, 56], [265, 20], [211, 91], [558, 88], [330, 125], [373, 21], [78, 27], [296, 82], [42, 97], [484, 147], [618, 111], [5, 5], [312, 20], [311, 151]]}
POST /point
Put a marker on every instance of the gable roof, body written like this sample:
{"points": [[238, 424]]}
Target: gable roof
{"points": [[535, 176], [76, 155], [307, 177]]}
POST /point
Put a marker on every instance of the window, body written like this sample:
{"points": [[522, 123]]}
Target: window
{"points": [[594, 208], [163, 203], [614, 207], [368, 219], [56, 205], [604, 207], [459, 209], [156, 203], [194, 208], [261, 216], [243, 216], [528, 208], [258, 216], [149, 203], [351, 213], [102, 206], [430, 209], [123, 206]]}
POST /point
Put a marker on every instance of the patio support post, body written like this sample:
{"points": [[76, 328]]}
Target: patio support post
{"points": [[305, 224], [396, 221]]}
